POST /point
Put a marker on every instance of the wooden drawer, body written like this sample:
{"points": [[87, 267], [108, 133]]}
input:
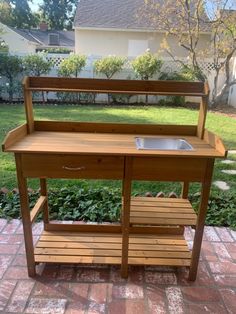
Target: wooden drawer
{"points": [[72, 166], [169, 169]]}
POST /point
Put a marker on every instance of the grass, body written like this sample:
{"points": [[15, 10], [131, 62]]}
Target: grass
{"points": [[13, 115]]}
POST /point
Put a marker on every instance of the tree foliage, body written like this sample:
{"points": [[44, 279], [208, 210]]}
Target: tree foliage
{"points": [[186, 21], [59, 14], [10, 68], [72, 66], [17, 13], [109, 65], [36, 65], [146, 65], [6, 16]]}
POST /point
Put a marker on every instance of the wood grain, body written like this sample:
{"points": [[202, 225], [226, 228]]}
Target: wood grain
{"points": [[117, 86]]}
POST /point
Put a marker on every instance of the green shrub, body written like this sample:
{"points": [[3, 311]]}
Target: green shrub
{"points": [[10, 68], [86, 204], [221, 210], [109, 66], [71, 67], [146, 65], [56, 50], [36, 64], [104, 205]]}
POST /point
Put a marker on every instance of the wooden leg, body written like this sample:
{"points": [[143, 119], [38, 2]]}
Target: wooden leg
{"points": [[43, 192], [25, 213], [206, 187], [126, 216], [185, 189]]}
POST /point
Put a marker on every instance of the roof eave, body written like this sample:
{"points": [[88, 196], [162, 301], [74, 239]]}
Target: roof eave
{"points": [[127, 29]]}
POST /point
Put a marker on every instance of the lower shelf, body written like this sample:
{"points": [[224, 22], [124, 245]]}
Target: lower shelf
{"points": [[105, 248], [162, 211]]}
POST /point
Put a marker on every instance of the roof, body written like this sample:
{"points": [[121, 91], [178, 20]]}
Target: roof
{"points": [[109, 14], [66, 38], [117, 14]]}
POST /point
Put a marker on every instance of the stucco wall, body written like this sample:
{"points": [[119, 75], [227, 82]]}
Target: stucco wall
{"points": [[102, 43], [16, 43]]}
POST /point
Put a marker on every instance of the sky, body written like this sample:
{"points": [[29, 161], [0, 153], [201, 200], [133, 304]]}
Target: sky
{"points": [[34, 5]]}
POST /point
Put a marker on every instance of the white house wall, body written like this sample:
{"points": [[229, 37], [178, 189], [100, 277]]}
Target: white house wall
{"points": [[106, 42], [16, 43]]}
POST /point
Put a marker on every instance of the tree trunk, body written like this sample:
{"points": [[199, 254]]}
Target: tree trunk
{"points": [[11, 92]]}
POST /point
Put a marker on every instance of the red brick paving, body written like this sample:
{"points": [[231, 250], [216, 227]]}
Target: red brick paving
{"points": [[80, 289]]}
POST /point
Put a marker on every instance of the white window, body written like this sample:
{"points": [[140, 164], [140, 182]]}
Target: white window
{"points": [[137, 47]]}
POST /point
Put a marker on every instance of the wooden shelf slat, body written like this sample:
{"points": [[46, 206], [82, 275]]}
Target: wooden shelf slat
{"points": [[162, 211], [107, 248]]}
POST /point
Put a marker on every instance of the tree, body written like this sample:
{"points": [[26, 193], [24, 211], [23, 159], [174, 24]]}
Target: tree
{"points": [[59, 13], [17, 13], [146, 66], [22, 14], [37, 65], [71, 67], [185, 21], [10, 68], [109, 66], [6, 13]]}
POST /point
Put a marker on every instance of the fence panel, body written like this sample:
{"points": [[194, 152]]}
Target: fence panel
{"points": [[168, 66]]}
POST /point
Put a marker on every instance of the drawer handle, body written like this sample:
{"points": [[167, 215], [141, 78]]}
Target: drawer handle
{"points": [[73, 169]]}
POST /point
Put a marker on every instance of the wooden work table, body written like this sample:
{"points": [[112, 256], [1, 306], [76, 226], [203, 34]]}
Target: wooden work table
{"points": [[151, 229]]}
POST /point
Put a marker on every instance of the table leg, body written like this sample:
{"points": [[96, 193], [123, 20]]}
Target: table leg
{"points": [[43, 192], [126, 216], [25, 213], [185, 189], [205, 192]]}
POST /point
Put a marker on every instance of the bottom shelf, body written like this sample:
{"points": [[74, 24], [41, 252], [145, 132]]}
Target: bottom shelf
{"points": [[105, 248]]}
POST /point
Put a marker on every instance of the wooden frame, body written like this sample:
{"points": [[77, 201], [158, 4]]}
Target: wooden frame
{"points": [[151, 229]]}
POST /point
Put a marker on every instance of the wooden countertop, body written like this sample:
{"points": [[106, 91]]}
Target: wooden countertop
{"points": [[86, 143]]}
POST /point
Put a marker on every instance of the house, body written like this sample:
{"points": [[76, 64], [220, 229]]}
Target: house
{"points": [[107, 27], [22, 41]]}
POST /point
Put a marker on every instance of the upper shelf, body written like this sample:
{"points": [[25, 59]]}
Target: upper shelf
{"points": [[150, 87]]}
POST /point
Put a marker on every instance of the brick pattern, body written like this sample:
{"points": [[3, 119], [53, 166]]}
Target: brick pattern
{"points": [[94, 289]]}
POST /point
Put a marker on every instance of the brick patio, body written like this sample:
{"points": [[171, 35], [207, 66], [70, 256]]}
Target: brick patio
{"points": [[72, 289]]}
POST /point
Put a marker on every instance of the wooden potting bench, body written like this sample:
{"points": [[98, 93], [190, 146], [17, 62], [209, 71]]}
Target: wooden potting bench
{"points": [[151, 229]]}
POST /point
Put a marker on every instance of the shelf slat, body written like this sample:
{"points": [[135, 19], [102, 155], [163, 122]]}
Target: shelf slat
{"points": [[107, 249], [162, 211]]}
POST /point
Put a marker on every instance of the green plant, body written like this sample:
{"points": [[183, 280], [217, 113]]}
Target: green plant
{"points": [[100, 205], [172, 76], [37, 65], [71, 67], [55, 50], [109, 66], [221, 210], [146, 66], [10, 68]]}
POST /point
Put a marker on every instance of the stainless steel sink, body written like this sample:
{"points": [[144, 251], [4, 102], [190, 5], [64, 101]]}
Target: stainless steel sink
{"points": [[162, 143]]}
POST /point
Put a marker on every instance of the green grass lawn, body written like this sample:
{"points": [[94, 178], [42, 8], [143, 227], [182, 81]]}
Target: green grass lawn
{"points": [[13, 115]]}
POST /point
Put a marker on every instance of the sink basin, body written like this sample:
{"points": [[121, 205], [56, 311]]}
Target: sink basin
{"points": [[162, 143]]}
